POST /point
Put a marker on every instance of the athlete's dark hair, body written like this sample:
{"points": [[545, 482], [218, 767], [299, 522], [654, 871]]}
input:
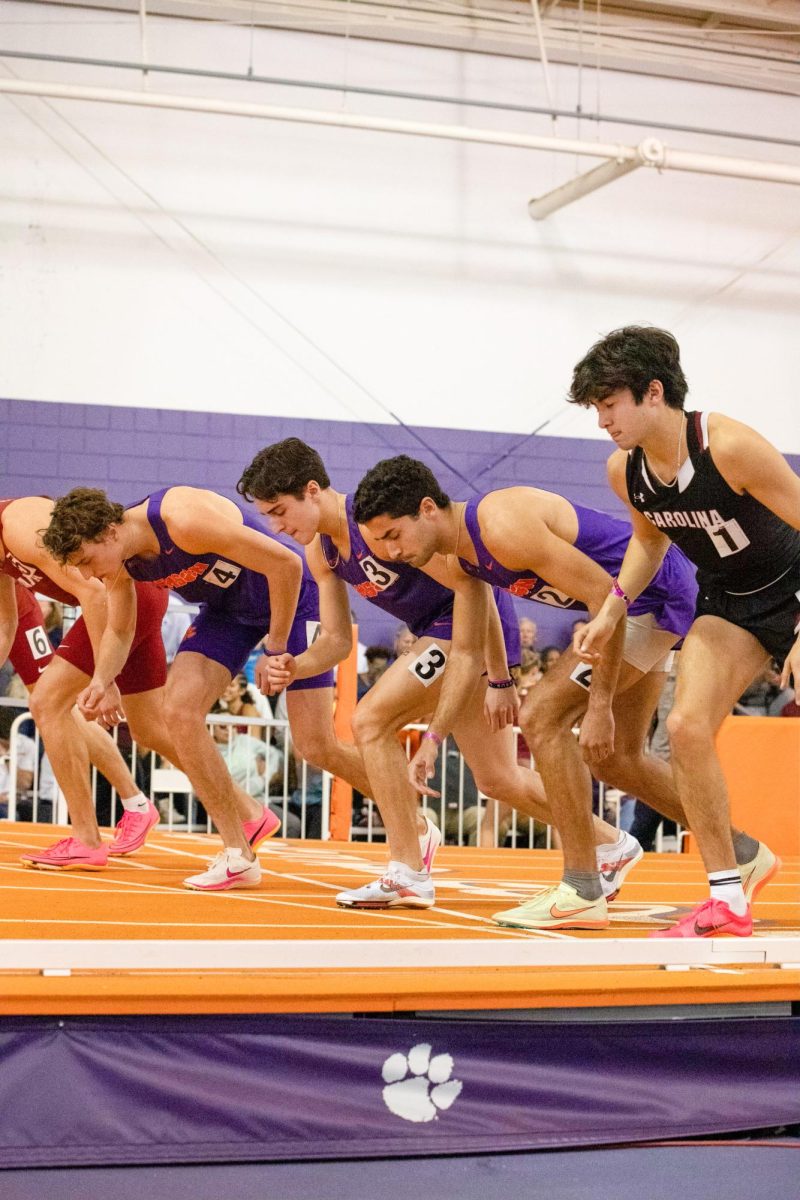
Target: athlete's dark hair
{"points": [[282, 469], [83, 515], [630, 358], [396, 487]]}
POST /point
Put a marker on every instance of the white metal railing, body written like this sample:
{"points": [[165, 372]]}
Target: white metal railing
{"points": [[461, 815]]}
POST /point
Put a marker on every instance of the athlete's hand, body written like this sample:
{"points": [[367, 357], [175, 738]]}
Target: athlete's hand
{"points": [[589, 643], [274, 672], [501, 707], [423, 766], [100, 702], [597, 733], [792, 667]]}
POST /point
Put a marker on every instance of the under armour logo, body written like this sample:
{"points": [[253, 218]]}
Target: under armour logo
{"points": [[639, 496]]}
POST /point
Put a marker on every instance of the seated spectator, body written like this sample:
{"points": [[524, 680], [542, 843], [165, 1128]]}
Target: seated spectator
{"points": [[26, 758], [549, 655], [527, 634], [177, 620], [377, 661], [254, 764], [403, 641], [764, 697], [531, 667], [239, 700], [53, 614]]}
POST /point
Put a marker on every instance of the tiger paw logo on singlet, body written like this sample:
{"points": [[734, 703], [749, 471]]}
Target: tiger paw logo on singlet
{"points": [[418, 1087], [523, 587]]}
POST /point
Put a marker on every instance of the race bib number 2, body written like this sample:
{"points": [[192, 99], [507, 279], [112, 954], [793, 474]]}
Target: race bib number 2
{"points": [[428, 666]]}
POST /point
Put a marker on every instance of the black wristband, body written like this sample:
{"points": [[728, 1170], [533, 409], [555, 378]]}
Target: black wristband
{"points": [[501, 683]]}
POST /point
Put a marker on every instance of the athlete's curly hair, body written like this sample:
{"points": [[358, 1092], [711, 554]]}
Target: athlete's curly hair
{"points": [[83, 515], [396, 487], [283, 469], [630, 358]]}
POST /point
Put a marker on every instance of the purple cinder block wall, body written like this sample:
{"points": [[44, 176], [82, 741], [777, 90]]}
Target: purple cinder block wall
{"points": [[51, 447]]}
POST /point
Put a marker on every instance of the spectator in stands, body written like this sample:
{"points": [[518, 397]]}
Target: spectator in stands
{"points": [[26, 758], [403, 641], [527, 634], [53, 614], [177, 620], [256, 765], [764, 697], [377, 661], [549, 655], [239, 700]]}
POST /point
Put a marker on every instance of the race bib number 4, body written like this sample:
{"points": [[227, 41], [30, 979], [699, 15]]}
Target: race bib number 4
{"points": [[428, 666], [222, 574]]}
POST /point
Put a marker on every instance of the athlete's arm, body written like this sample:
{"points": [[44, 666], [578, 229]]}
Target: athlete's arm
{"points": [[471, 603], [100, 700], [199, 523], [520, 537], [336, 630], [9, 618], [749, 463], [643, 557]]}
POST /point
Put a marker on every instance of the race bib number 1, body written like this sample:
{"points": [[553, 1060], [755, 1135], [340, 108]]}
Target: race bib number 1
{"points": [[428, 665]]}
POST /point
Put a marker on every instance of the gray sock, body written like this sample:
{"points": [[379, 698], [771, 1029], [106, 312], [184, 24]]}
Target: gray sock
{"points": [[586, 883], [745, 848]]}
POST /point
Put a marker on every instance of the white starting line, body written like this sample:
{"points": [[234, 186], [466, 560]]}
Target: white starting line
{"points": [[342, 955]]}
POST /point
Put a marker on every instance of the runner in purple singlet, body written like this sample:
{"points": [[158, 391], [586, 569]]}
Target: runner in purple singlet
{"points": [[539, 546], [291, 488], [252, 589]]}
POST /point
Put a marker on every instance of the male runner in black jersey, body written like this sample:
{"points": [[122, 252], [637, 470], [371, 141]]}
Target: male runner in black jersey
{"points": [[732, 503]]}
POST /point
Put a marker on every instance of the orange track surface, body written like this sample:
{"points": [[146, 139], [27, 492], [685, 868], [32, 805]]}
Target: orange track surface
{"points": [[142, 898]]}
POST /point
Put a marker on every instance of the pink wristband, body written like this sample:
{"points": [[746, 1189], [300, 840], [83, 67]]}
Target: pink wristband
{"points": [[616, 590], [430, 736]]}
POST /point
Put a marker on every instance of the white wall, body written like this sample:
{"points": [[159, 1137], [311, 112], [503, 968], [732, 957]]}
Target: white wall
{"points": [[188, 261]]}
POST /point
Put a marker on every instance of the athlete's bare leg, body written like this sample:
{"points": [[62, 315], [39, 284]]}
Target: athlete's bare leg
{"points": [[549, 712], [717, 663], [310, 713], [71, 749], [193, 684], [397, 699]]}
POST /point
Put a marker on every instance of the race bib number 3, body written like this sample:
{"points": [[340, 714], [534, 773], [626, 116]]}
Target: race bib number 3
{"points": [[222, 574], [379, 575], [428, 666]]}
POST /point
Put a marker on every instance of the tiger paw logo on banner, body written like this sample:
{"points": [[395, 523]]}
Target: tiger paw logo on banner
{"points": [[418, 1086]]}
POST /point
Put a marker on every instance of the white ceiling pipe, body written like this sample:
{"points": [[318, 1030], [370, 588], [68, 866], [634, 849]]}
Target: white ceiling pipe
{"points": [[542, 206], [651, 152], [307, 116]]}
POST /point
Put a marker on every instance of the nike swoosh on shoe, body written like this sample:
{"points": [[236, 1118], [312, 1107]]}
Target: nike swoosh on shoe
{"points": [[567, 912]]}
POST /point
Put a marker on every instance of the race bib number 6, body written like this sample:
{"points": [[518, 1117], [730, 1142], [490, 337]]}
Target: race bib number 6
{"points": [[39, 642], [428, 666]]}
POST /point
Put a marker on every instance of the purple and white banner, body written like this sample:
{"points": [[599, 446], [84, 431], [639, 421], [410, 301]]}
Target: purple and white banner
{"points": [[201, 1089]]}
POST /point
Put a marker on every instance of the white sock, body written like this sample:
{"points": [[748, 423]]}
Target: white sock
{"points": [[401, 871], [138, 803], [727, 886], [609, 847]]}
